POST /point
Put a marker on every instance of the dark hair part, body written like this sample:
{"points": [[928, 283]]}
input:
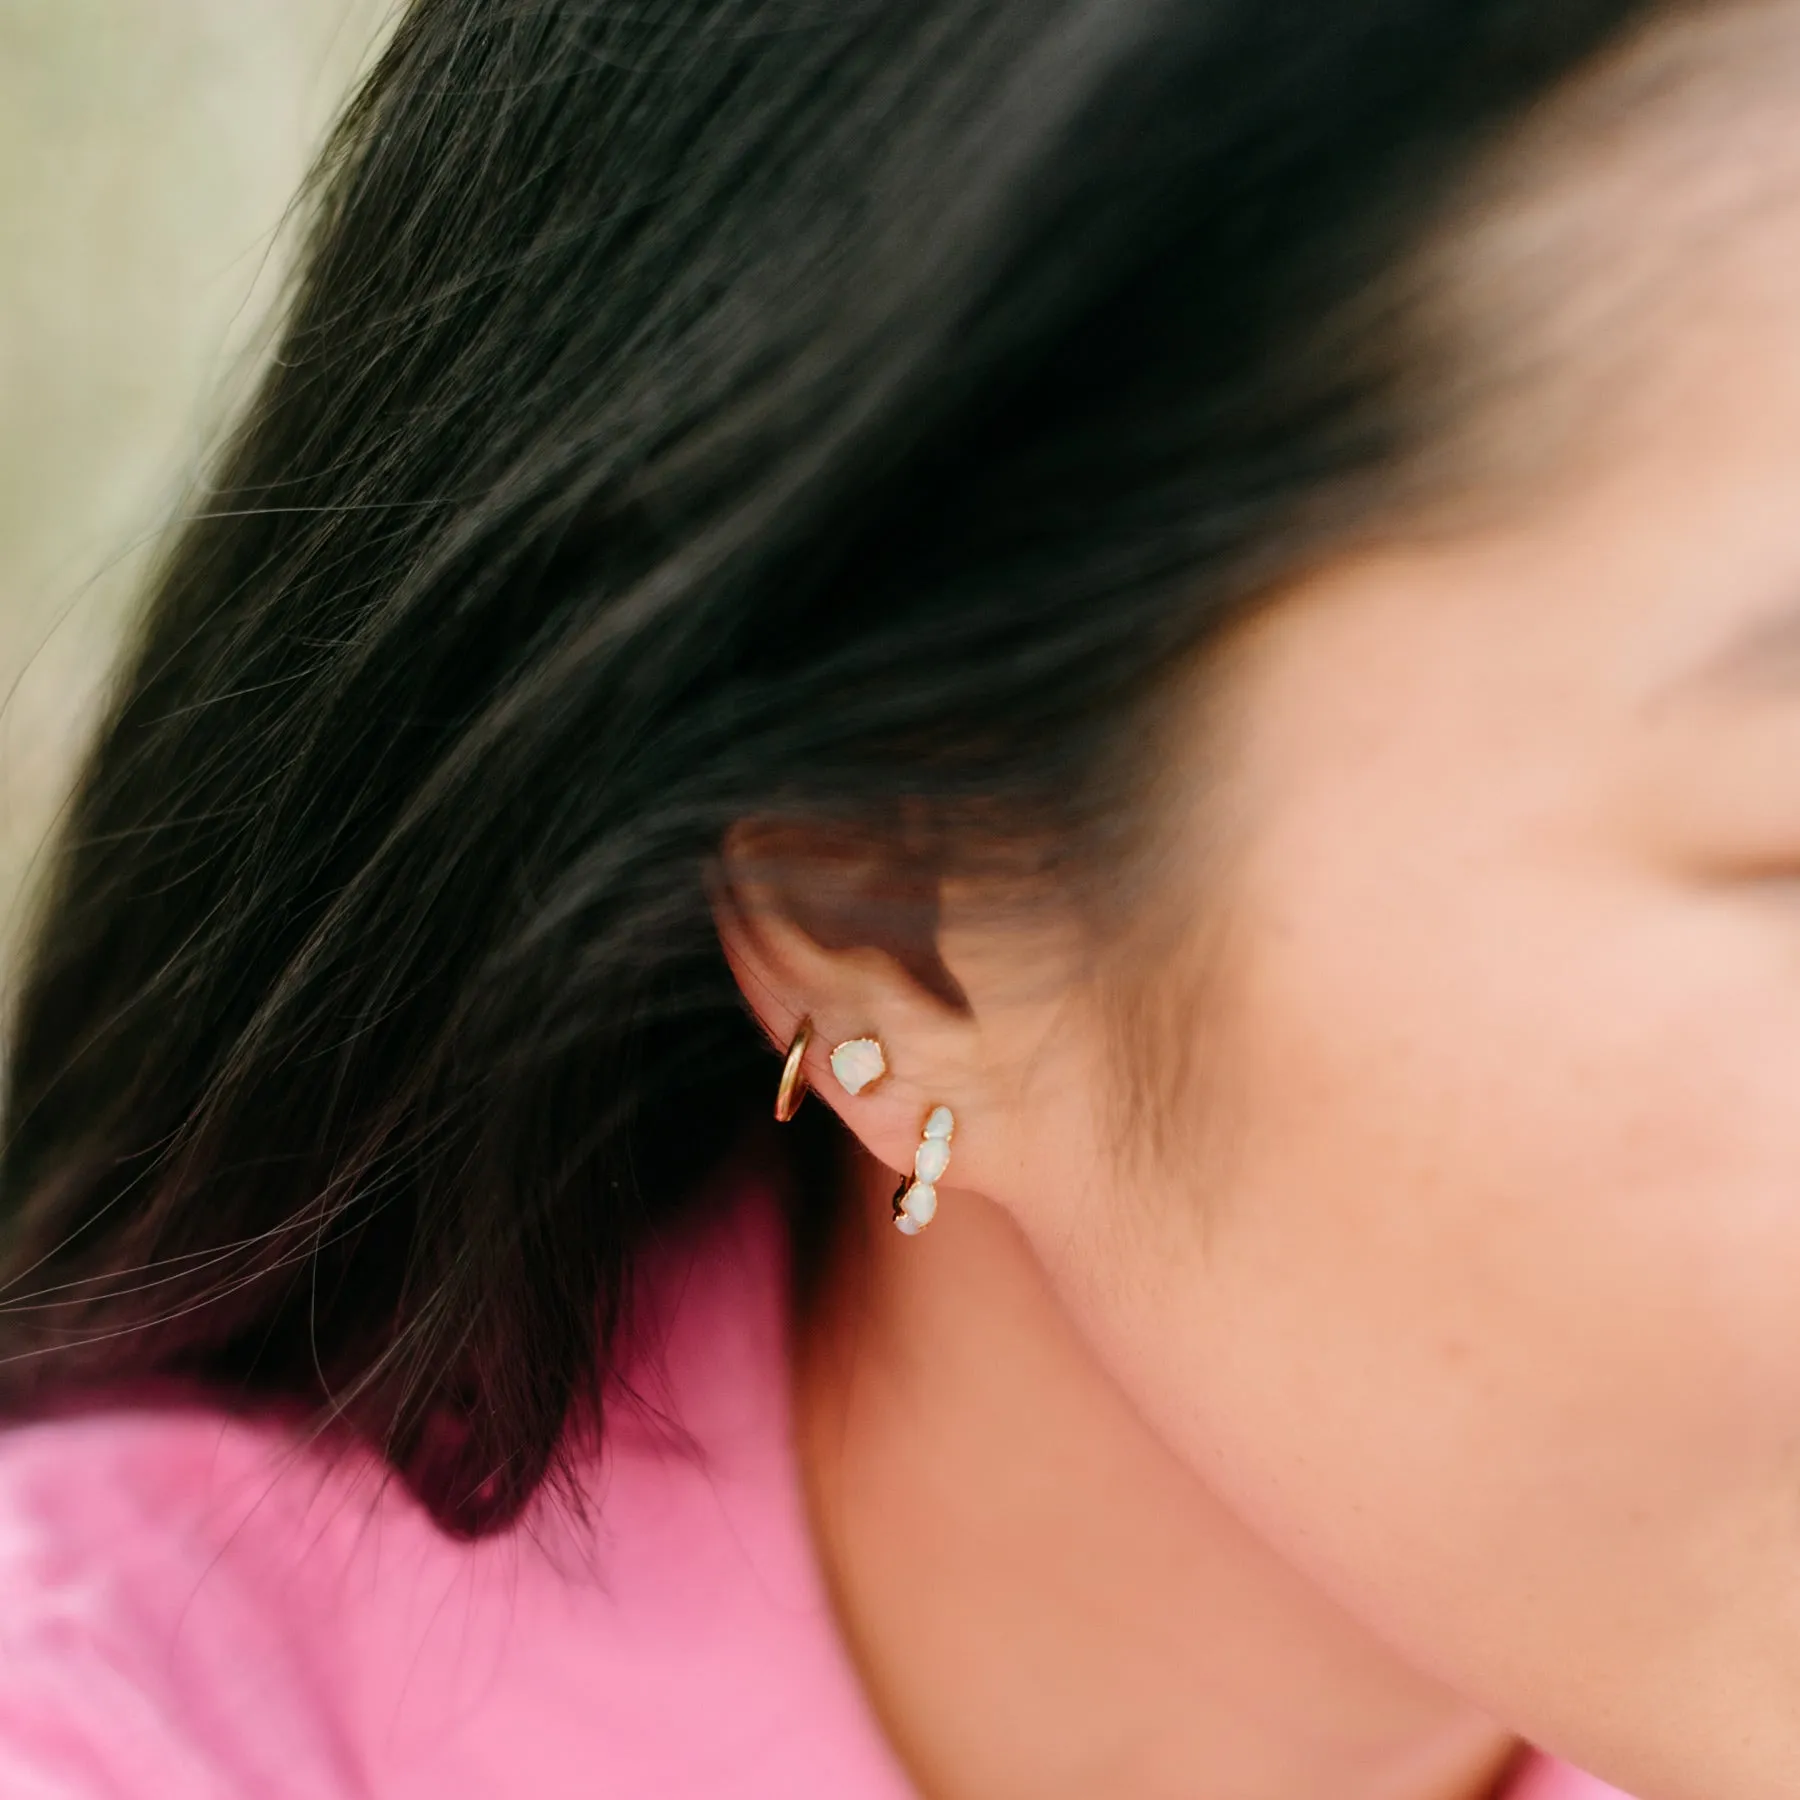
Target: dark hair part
{"points": [[688, 412]]}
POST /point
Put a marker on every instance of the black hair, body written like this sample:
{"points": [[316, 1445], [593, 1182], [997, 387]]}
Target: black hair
{"points": [[688, 411]]}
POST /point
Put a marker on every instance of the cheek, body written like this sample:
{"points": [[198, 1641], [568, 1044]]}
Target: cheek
{"points": [[1479, 1289]]}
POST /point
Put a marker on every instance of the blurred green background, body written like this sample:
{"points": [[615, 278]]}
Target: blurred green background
{"points": [[148, 152]]}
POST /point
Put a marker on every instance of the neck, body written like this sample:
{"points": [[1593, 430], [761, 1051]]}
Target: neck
{"points": [[1041, 1600]]}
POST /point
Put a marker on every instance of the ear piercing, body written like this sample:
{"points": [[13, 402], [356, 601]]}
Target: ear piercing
{"points": [[858, 1063], [915, 1201]]}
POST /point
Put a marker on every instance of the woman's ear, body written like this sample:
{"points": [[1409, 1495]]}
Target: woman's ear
{"points": [[828, 929]]}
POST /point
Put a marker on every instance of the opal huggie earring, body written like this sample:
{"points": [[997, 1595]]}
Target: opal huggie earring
{"points": [[915, 1202]]}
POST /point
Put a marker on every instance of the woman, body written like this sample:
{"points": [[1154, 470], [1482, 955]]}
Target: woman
{"points": [[1188, 606]]}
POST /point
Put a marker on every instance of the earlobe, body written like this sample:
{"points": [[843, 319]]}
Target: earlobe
{"points": [[858, 1063]]}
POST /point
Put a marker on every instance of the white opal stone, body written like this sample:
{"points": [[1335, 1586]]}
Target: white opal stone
{"points": [[858, 1063], [931, 1159], [908, 1225], [940, 1124], [920, 1202]]}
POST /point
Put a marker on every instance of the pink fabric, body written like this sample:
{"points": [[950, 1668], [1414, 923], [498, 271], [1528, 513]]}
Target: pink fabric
{"points": [[194, 1607], [1542, 1779]]}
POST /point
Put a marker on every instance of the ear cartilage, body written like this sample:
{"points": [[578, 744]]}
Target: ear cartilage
{"points": [[859, 1063], [915, 1202]]}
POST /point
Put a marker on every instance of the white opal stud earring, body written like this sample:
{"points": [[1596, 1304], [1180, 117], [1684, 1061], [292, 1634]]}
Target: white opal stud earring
{"points": [[858, 1064], [915, 1203]]}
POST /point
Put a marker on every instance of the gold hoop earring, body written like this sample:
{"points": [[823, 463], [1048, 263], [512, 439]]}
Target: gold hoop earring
{"points": [[792, 1089]]}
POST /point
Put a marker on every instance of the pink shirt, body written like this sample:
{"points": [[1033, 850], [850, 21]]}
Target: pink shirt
{"points": [[194, 1607]]}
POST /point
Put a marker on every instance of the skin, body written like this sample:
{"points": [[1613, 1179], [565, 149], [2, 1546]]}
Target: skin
{"points": [[1430, 1372]]}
